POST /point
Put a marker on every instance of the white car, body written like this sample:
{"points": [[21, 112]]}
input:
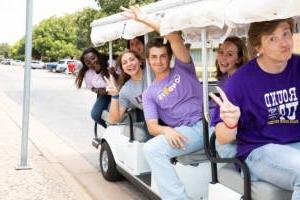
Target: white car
{"points": [[35, 64], [17, 63], [6, 61], [62, 65]]}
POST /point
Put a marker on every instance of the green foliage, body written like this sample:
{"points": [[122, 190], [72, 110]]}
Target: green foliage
{"points": [[83, 19], [55, 38], [60, 37], [67, 36], [118, 47], [113, 6], [4, 50], [17, 51]]}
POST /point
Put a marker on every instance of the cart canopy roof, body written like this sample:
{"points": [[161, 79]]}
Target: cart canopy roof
{"points": [[220, 18]]}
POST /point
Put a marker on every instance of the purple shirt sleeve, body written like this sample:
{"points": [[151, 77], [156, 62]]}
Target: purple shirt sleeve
{"points": [[149, 106], [189, 67]]}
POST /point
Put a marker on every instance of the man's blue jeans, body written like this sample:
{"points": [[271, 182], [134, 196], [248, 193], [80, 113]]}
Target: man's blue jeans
{"points": [[277, 164], [158, 153]]}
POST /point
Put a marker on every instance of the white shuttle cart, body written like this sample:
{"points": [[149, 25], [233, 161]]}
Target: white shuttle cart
{"points": [[121, 145]]}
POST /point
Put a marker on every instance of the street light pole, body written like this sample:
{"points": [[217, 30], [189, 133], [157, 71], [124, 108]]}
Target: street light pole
{"points": [[26, 91]]}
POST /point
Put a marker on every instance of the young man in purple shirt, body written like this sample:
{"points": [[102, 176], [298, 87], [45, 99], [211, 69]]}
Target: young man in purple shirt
{"points": [[261, 107], [175, 97]]}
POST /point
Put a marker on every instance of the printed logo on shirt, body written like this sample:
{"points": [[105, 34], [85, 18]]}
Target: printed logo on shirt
{"points": [[282, 106], [170, 88], [139, 99]]}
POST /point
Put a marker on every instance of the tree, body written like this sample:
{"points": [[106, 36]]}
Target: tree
{"points": [[67, 36], [83, 19], [112, 7], [4, 50], [55, 38], [18, 50]]}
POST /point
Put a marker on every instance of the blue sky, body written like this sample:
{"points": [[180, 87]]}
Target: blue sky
{"points": [[13, 14]]}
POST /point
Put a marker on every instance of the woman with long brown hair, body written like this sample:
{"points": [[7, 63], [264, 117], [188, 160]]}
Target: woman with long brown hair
{"points": [[95, 68], [231, 55], [132, 83]]}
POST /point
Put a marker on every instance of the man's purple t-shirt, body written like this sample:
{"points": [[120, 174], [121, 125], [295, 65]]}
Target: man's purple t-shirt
{"points": [[269, 105], [177, 99]]}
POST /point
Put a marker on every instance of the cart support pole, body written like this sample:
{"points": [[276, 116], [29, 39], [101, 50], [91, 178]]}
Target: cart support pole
{"points": [[110, 54], [205, 75], [146, 39]]}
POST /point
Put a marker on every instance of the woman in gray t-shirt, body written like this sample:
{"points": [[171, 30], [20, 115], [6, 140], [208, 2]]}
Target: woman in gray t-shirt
{"points": [[132, 81]]}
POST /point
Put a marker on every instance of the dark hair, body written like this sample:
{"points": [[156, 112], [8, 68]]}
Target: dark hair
{"points": [[242, 53], [258, 29], [103, 61], [140, 38], [123, 76], [158, 42]]}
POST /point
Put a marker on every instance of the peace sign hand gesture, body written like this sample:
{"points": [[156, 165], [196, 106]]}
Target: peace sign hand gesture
{"points": [[133, 12], [111, 87], [229, 113]]}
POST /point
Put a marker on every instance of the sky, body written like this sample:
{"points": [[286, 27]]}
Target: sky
{"points": [[13, 14]]}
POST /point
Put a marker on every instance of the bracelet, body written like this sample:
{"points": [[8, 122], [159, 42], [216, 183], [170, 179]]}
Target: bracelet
{"points": [[231, 127], [115, 97]]}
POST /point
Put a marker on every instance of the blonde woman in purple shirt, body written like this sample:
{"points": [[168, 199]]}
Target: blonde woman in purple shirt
{"points": [[231, 55], [261, 107], [175, 97]]}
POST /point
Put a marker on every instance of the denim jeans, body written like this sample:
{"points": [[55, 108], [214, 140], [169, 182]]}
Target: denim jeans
{"points": [[277, 164], [101, 104], [226, 150], [158, 153]]}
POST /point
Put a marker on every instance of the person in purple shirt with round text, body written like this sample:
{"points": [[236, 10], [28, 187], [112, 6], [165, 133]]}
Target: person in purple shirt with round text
{"points": [[261, 107], [175, 97], [231, 55]]}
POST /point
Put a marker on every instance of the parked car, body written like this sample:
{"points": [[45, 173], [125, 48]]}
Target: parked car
{"points": [[17, 62], [51, 66], [63, 64], [74, 67], [6, 61], [71, 67], [36, 64], [78, 67]]}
